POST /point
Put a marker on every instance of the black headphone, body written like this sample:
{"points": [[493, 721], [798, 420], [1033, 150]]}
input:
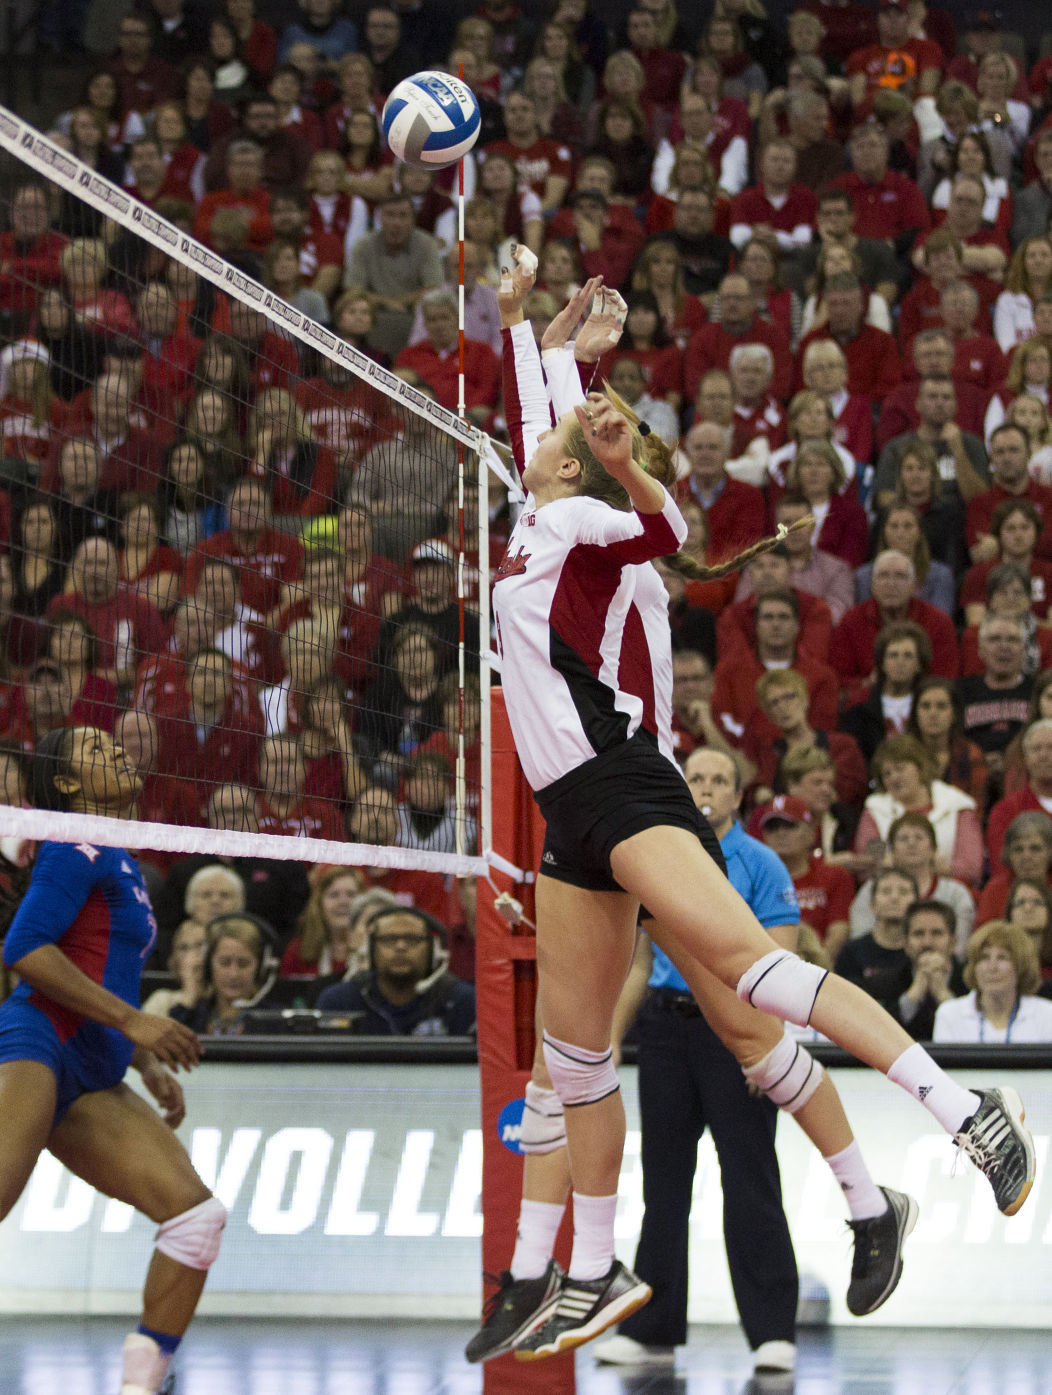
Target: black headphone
{"points": [[268, 957], [438, 956]]}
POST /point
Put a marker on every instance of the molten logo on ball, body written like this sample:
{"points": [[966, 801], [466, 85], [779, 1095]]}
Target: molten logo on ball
{"points": [[431, 119]]}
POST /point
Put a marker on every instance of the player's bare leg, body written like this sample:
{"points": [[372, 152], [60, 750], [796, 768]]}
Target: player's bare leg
{"points": [[120, 1145], [27, 1107]]}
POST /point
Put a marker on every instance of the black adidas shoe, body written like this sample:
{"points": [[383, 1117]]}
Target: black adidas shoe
{"points": [[877, 1265], [585, 1308], [518, 1306], [1002, 1150]]}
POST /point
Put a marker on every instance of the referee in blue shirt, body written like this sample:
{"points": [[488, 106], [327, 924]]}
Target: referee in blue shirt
{"points": [[689, 1081]]}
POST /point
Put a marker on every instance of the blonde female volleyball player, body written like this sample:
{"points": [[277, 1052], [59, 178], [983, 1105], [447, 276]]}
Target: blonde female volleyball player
{"points": [[622, 828], [770, 1056]]}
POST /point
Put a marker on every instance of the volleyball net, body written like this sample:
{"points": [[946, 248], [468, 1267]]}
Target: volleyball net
{"points": [[232, 537]]}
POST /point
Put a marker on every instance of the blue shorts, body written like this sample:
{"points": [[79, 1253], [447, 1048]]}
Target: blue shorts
{"points": [[94, 1058]]}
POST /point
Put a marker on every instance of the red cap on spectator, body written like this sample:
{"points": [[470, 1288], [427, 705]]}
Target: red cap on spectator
{"points": [[784, 808]]}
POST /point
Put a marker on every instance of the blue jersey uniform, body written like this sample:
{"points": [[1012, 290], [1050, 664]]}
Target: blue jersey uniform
{"points": [[760, 878], [92, 903]]}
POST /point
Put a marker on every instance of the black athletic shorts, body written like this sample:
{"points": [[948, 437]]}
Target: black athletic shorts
{"points": [[608, 799]]}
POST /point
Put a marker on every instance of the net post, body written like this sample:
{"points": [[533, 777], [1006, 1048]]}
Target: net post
{"points": [[506, 982]]}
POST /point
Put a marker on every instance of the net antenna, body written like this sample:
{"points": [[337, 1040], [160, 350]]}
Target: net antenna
{"points": [[483, 513], [384, 407]]}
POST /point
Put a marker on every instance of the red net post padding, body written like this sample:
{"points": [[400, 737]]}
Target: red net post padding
{"points": [[506, 992]]}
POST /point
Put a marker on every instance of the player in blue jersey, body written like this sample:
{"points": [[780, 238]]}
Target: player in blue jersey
{"points": [[70, 1030]]}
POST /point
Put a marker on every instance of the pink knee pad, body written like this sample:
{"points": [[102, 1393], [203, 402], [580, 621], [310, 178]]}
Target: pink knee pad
{"points": [[193, 1238]]}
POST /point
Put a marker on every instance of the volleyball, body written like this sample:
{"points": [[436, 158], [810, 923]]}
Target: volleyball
{"points": [[431, 119]]}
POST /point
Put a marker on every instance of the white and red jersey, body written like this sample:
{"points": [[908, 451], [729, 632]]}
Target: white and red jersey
{"points": [[651, 598], [575, 652]]}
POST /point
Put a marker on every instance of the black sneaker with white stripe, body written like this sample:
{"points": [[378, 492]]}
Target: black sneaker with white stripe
{"points": [[877, 1265], [1002, 1150], [586, 1307], [517, 1307]]}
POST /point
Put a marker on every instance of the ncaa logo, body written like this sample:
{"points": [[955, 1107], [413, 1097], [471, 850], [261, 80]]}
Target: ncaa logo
{"points": [[509, 1125]]}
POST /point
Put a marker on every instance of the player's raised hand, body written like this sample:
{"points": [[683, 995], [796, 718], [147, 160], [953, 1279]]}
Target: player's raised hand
{"points": [[516, 282], [608, 433], [561, 330], [602, 330]]}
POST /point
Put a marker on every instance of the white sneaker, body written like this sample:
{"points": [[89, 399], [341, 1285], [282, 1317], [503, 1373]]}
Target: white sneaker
{"points": [[625, 1351], [774, 1358]]}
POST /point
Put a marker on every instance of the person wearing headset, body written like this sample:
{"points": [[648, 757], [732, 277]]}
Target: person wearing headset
{"points": [[407, 989], [240, 966]]}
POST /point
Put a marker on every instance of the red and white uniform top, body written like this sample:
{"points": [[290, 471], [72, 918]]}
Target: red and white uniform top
{"points": [[575, 651], [651, 598]]}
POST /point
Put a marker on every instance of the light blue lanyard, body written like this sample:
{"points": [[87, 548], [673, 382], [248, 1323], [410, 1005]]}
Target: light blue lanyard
{"points": [[1008, 1029]]}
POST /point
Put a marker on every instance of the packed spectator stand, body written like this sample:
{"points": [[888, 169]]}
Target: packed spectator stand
{"points": [[831, 226]]}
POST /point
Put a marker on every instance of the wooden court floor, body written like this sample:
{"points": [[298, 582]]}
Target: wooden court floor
{"points": [[267, 1357]]}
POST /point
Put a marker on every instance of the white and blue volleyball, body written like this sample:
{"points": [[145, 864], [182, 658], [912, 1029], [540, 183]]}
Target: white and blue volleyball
{"points": [[431, 119]]}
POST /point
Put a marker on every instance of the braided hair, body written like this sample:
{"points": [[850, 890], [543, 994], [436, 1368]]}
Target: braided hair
{"points": [[694, 570]]}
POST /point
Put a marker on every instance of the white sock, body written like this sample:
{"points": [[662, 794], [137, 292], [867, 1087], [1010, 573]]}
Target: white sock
{"points": [[143, 1367], [593, 1236], [539, 1223], [864, 1198], [918, 1074]]}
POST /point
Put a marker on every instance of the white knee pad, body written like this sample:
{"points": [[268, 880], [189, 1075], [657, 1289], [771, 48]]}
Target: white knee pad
{"points": [[543, 1126], [193, 1238], [783, 985], [788, 1075], [579, 1076]]}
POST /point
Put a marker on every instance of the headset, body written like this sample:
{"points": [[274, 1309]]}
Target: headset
{"points": [[268, 957], [438, 957]]}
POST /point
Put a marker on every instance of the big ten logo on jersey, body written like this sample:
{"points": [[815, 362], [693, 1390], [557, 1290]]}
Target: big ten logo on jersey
{"points": [[528, 520]]}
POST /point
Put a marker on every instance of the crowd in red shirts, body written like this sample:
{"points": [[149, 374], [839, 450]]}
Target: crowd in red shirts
{"points": [[833, 238]]}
